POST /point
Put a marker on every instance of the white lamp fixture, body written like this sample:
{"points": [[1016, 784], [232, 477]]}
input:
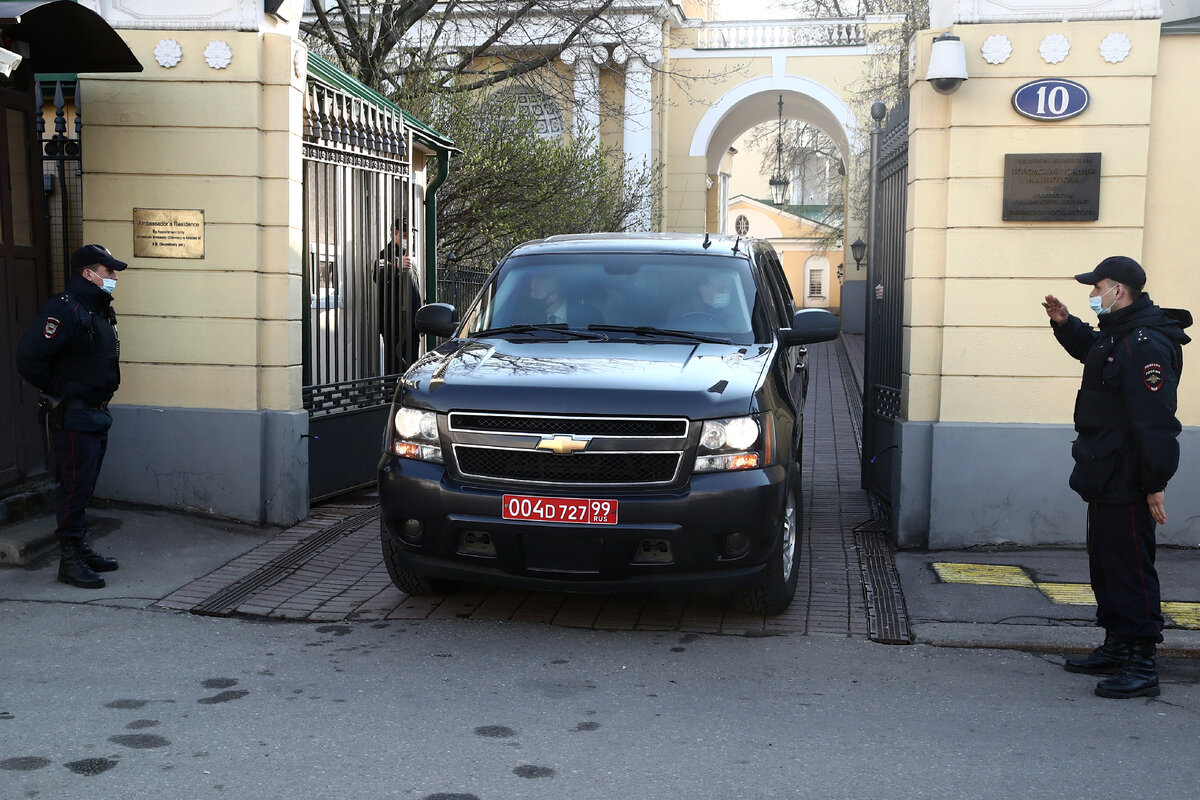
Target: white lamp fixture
{"points": [[9, 61], [947, 64]]}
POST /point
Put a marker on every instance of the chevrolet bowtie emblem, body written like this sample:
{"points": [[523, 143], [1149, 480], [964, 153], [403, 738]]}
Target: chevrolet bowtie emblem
{"points": [[564, 445]]}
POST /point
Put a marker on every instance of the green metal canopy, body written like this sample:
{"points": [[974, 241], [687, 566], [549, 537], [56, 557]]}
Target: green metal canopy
{"points": [[339, 79]]}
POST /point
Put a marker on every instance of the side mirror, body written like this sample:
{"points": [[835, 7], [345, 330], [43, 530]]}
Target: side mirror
{"points": [[810, 325], [439, 319]]}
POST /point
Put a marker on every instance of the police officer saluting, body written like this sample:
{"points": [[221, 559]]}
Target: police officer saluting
{"points": [[1125, 453], [71, 353]]}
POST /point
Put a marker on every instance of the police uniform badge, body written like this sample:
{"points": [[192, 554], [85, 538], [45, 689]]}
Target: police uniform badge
{"points": [[50, 328], [1152, 376]]}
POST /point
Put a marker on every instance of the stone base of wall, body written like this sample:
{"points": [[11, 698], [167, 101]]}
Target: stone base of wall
{"points": [[965, 484], [250, 466]]}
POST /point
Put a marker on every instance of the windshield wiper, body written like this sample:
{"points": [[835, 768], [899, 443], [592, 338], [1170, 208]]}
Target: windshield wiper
{"points": [[648, 330], [546, 327]]}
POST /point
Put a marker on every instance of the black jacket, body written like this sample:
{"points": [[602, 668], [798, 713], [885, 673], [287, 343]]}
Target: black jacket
{"points": [[71, 351], [1127, 445]]}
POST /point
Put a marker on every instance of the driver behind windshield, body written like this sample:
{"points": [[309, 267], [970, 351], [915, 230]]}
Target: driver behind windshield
{"points": [[714, 306]]}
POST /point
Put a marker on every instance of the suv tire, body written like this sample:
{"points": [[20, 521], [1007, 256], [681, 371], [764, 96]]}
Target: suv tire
{"points": [[406, 580], [774, 593]]}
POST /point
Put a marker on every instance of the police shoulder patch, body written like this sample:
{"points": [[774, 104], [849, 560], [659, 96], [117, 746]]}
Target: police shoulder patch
{"points": [[51, 327], [1152, 376]]}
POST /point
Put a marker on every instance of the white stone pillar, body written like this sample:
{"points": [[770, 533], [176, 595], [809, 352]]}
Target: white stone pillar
{"points": [[586, 61], [639, 119]]}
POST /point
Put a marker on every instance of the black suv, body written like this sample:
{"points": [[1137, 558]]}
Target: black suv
{"points": [[614, 412]]}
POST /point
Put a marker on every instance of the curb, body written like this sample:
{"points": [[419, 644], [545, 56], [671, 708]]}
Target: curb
{"points": [[20, 551], [1178, 643]]}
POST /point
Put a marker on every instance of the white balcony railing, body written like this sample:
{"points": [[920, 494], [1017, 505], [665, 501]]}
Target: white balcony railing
{"points": [[771, 33]]}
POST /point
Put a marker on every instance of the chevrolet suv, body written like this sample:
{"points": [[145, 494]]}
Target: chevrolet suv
{"points": [[613, 412]]}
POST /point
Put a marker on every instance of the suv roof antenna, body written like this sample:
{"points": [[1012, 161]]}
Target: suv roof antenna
{"points": [[707, 244], [737, 243]]}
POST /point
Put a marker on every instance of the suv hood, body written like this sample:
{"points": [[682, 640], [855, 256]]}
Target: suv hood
{"points": [[688, 379]]}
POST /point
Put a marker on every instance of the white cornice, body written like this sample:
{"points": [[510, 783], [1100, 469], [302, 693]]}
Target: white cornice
{"points": [[944, 13], [182, 15]]}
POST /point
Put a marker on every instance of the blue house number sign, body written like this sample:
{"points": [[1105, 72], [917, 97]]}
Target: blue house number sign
{"points": [[1051, 99]]}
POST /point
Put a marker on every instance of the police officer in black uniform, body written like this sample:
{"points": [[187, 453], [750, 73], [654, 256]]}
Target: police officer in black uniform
{"points": [[1126, 450], [71, 353]]}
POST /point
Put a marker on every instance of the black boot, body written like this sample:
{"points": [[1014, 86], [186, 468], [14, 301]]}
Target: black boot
{"points": [[73, 570], [95, 561], [1107, 659], [1138, 679]]}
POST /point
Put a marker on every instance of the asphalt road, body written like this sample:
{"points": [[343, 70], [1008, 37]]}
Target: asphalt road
{"points": [[103, 702]]}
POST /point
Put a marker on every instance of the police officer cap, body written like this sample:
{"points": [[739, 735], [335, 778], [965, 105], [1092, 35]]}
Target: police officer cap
{"points": [[1121, 269], [91, 254]]}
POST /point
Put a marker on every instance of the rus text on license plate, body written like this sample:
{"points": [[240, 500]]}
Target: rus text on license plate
{"points": [[571, 510]]}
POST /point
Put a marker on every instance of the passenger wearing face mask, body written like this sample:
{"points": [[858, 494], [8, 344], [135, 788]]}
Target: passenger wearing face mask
{"points": [[1125, 452], [71, 353]]}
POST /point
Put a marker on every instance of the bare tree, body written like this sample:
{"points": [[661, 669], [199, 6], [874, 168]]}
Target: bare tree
{"points": [[412, 49]]}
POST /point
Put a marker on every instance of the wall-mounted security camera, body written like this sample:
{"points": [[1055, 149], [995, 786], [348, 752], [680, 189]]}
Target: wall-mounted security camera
{"points": [[947, 64], [9, 61]]}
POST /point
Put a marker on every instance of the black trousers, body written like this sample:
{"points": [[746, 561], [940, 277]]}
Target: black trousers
{"points": [[77, 460], [1121, 557]]}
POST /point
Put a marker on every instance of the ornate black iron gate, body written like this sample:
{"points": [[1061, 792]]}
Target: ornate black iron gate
{"points": [[885, 299], [359, 287]]}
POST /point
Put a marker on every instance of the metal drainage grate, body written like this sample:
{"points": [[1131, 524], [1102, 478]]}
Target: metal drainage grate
{"points": [[226, 601], [887, 618]]}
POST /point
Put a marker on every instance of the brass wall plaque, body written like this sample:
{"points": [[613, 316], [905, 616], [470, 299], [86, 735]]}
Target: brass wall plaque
{"points": [[168, 233], [1051, 187]]}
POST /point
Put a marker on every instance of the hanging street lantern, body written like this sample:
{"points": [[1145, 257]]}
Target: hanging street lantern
{"points": [[779, 184]]}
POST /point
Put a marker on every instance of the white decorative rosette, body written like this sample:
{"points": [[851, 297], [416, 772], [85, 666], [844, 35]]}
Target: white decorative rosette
{"points": [[996, 49], [1054, 48], [218, 55], [1115, 47], [168, 53]]}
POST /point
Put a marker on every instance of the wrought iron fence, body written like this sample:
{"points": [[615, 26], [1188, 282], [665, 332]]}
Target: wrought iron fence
{"points": [[62, 173], [457, 284], [883, 367], [360, 287]]}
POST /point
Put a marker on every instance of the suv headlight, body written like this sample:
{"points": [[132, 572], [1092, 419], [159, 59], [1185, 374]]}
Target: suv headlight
{"points": [[735, 443], [416, 435]]}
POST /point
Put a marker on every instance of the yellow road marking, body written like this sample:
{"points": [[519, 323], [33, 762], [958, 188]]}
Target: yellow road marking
{"points": [[1186, 615], [1069, 594], [984, 574]]}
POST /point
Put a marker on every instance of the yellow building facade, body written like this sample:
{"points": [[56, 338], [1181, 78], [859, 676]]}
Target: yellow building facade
{"points": [[988, 394]]}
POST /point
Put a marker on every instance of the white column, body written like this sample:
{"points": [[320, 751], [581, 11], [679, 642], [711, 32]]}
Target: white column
{"points": [[586, 61], [639, 119]]}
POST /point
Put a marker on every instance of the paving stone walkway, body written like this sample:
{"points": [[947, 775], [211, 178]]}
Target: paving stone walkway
{"points": [[330, 568]]}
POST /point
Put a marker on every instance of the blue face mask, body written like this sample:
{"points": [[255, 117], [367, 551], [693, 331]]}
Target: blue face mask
{"points": [[108, 285], [1097, 303]]}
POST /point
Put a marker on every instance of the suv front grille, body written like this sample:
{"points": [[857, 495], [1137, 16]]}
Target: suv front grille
{"points": [[520, 465], [573, 426]]}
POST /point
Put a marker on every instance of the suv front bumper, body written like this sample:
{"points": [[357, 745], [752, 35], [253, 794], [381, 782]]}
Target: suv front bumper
{"points": [[695, 522]]}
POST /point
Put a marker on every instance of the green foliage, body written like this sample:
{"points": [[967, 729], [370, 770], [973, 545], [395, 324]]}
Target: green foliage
{"points": [[509, 185]]}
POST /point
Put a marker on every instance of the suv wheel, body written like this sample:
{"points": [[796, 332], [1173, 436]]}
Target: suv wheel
{"points": [[775, 592], [404, 579]]}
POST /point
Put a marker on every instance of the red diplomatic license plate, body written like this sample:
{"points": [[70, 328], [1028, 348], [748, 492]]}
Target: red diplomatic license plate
{"points": [[571, 510]]}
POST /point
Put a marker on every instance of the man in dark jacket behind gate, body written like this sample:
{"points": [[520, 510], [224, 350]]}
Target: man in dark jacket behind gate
{"points": [[71, 353], [1126, 450]]}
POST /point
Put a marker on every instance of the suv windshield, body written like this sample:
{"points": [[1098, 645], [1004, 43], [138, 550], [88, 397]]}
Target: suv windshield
{"points": [[710, 295]]}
